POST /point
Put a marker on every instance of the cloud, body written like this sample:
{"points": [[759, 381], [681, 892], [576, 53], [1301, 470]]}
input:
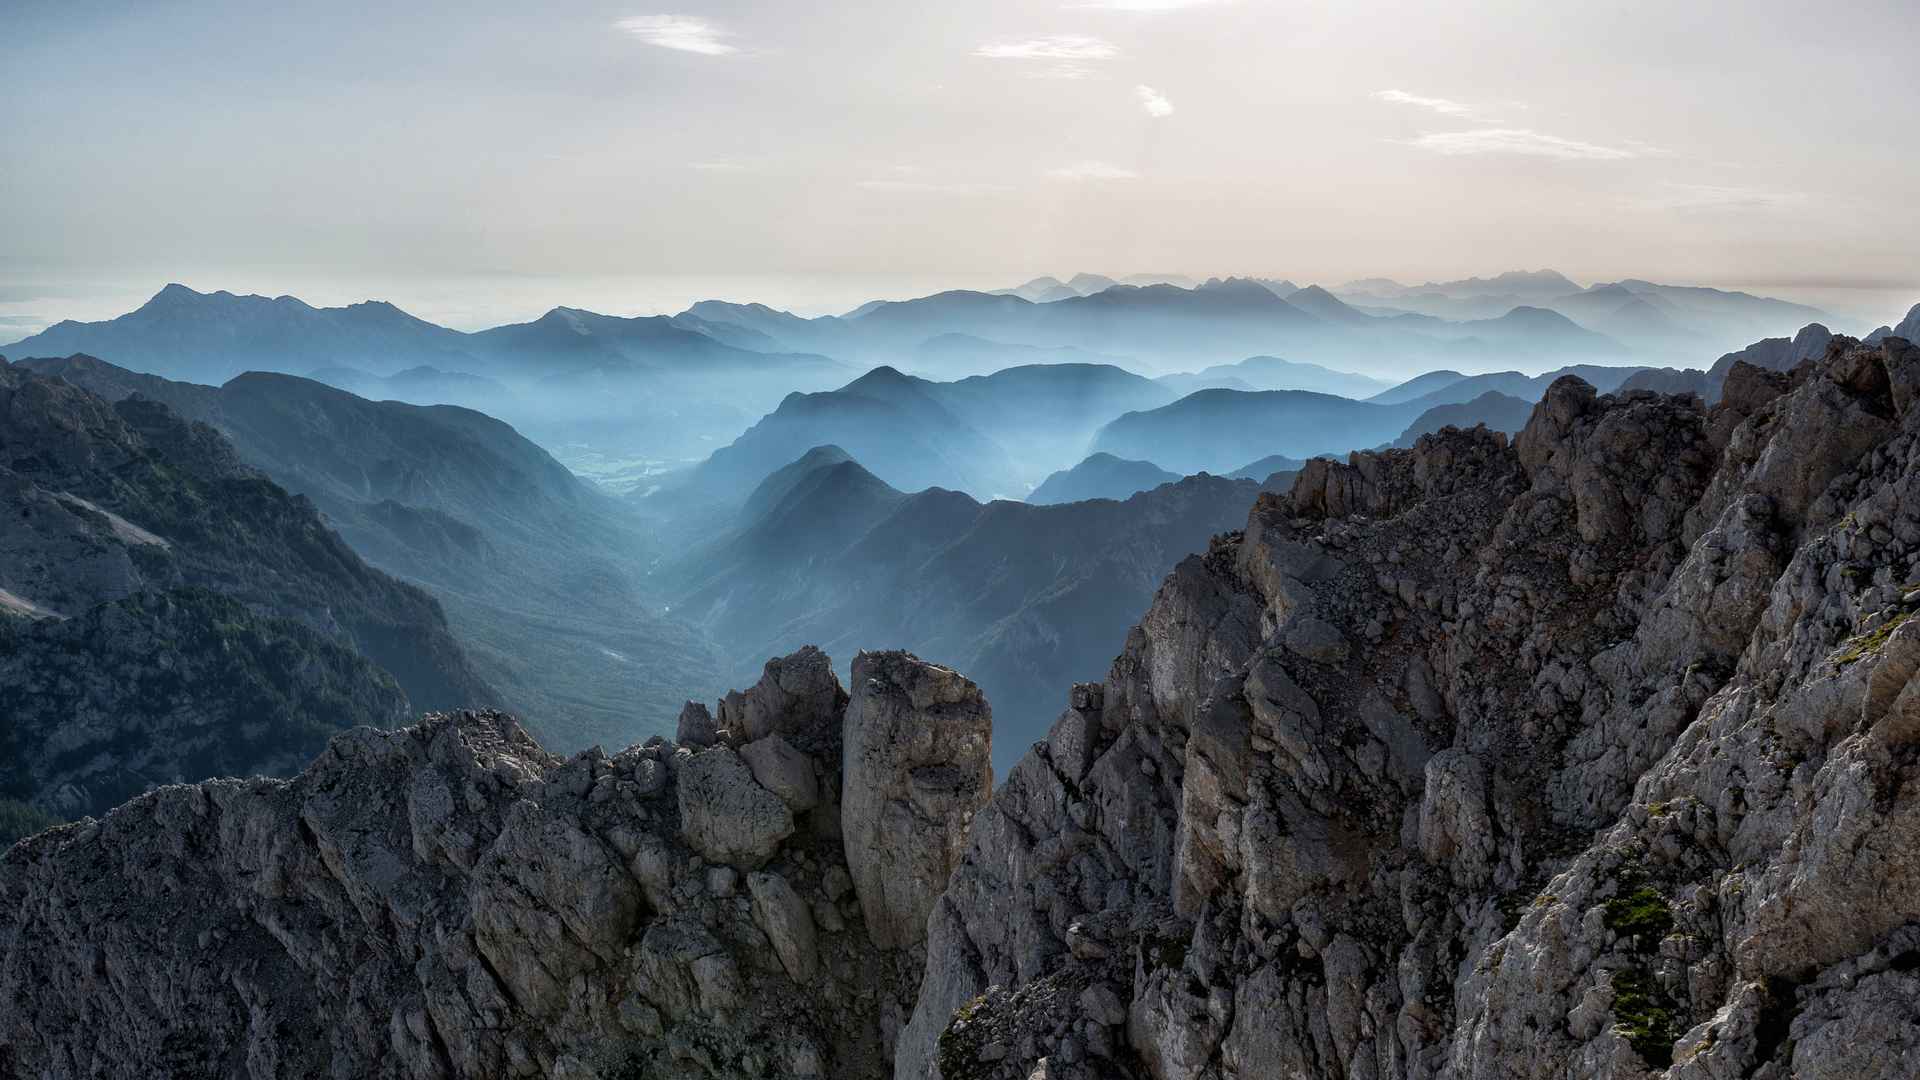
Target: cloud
{"points": [[686, 33], [720, 166], [1714, 197], [1141, 5], [1092, 170], [1442, 106], [1153, 101], [1071, 47], [1522, 142]]}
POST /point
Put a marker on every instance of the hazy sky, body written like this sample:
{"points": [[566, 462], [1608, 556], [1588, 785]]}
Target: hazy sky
{"points": [[1760, 143]]}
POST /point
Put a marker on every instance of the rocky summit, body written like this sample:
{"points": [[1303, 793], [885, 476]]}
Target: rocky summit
{"points": [[1581, 753]]}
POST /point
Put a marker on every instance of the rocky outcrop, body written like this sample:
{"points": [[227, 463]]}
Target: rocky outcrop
{"points": [[1778, 354], [1587, 755], [918, 741], [450, 900]]}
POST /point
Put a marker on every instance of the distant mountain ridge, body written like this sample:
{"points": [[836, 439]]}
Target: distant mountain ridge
{"points": [[1162, 325], [978, 434], [1100, 476], [1274, 373], [1220, 430], [883, 416], [647, 385], [1497, 411]]}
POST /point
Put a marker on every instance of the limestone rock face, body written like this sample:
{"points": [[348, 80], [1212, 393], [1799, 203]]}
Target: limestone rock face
{"points": [[1588, 755], [919, 739], [450, 900]]}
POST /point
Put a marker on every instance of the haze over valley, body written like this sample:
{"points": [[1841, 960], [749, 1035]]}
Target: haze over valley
{"points": [[745, 480]]}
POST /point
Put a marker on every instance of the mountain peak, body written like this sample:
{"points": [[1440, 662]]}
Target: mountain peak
{"points": [[172, 295], [822, 455], [1090, 283]]}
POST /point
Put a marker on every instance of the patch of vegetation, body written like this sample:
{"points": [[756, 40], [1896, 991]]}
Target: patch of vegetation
{"points": [[1861, 645], [1646, 1015], [1644, 1012], [1642, 914], [958, 1050]]}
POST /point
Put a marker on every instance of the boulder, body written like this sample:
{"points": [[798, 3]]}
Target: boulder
{"points": [[724, 814]]}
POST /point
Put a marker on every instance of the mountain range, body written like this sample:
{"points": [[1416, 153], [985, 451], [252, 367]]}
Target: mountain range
{"points": [[623, 398], [1162, 326], [1663, 324], [543, 577]]}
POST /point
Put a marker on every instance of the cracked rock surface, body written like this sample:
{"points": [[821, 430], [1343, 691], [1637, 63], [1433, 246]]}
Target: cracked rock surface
{"points": [[1591, 754]]}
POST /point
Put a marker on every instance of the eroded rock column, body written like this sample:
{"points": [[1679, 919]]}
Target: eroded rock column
{"points": [[916, 761]]}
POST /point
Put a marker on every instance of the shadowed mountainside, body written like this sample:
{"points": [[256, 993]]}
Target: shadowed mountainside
{"points": [[169, 613]]}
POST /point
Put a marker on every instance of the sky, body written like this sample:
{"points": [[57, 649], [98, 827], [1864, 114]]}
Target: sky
{"points": [[883, 145]]}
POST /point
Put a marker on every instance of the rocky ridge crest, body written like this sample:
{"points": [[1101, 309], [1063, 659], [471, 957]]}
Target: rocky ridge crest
{"points": [[451, 900], [1588, 754]]}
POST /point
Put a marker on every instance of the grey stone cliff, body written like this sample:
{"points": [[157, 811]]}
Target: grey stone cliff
{"points": [[1588, 755]]}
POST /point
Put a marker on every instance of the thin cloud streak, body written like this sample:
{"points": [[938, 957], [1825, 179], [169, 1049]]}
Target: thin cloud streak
{"points": [[1072, 47], [1444, 107], [682, 33], [1153, 101], [1519, 141]]}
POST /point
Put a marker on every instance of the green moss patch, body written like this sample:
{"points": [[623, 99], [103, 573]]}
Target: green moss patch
{"points": [[1642, 914], [1861, 645]]}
